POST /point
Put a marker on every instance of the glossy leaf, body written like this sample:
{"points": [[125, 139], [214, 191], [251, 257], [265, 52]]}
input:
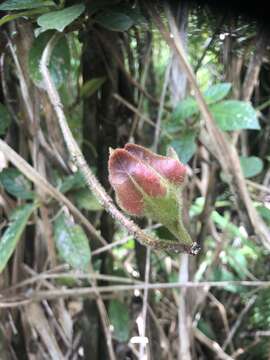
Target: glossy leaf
{"points": [[251, 165], [59, 64], [120, 320], [16, 184], [72, 243], [4, 119], [10, 5], [11, 236], [233, 115], [113, 20], [60, 19]]}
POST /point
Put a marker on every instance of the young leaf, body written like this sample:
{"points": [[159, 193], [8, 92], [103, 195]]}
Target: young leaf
{"points": [[59, 64], [113, 20], [16, 184], [72, 182], [84, 199], [251, 165], [233, 115], [120, 320], [11, 5], [188, 107], [11, 236], [216, 92], [185, 145], [4, 119], [72, 243], [185, 109], [91, 86], [58, 20]]}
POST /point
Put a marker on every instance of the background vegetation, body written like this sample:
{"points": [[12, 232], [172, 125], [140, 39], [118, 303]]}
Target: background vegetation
{"points": [[74, 283]]}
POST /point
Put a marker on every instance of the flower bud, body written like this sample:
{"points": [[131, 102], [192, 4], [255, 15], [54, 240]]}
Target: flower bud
{"points": [[147, 184]]}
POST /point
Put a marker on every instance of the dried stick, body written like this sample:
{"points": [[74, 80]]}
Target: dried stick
{"points": [[212, 345], [143, 348], [224, 151], [94, 185], [237, 323], [22, 299]]}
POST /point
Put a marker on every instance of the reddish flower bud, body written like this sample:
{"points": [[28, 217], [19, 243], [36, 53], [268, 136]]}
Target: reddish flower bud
{"points": [[147, 184]]}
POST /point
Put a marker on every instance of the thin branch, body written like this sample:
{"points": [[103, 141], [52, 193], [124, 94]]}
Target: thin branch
{"points": [[239, 320], [21, 299], [212, 345], [145, 302], [94, 185], [161, 107]]}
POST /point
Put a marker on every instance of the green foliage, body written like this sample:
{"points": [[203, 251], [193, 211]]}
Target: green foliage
{"points": [[113, 20], [84, 199], [184, 145], [72, 182], [119, 318], [232, 115], [216, 93], [16, 184], [11, 5], [251, 165], [59, 64], [189, 107], [60, 19], [72, 243], [4, 119], [10, 238], [91, 86], [260, 315]]}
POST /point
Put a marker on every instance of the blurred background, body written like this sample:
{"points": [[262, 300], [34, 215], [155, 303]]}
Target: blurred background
{"points": [[74, 284]]}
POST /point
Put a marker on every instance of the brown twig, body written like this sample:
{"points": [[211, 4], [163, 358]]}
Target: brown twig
{"points": [[22, 299]]}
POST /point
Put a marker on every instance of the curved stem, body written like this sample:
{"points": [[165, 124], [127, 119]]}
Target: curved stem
{"points": [[92, 182]]}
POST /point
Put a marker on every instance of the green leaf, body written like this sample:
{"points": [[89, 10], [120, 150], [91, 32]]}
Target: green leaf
{"points": [[72, 243], [84, 199], [11, 236], [59, 64], [16, 184], [4, 119], [96, 5], [91, 86], [185, 109], [264, 212], [113, 20], [185, 145], [25, 4], [188, 107], [120, 320], [26, 13], [251, 166], [233, 115], [216, 92], [58, 20], [72, 182]]}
